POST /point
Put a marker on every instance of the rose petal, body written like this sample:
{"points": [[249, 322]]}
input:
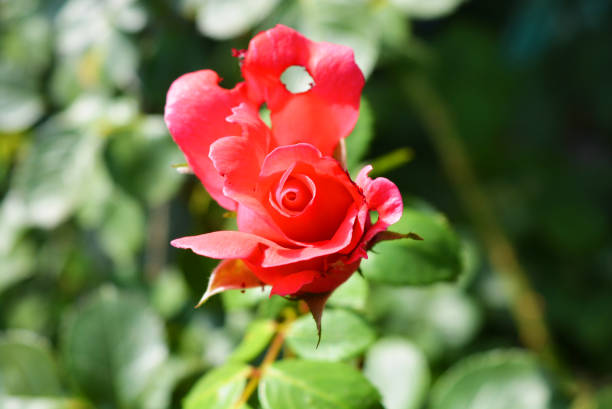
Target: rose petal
{"points": [[382, 196], [322, 115], [335, 193], [238, 158], [195, 113], [250, 221], [291, 283], [229, 275], [224, 244], [338, 272], [278, 256]]}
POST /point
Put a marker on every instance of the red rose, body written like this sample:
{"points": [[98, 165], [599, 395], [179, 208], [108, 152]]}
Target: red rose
{"points": [[303, 224]]}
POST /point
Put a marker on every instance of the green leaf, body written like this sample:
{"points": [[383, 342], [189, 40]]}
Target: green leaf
{"points": [[352, 24], [19, 108], [439, 319], [258, 335], [26, 366], [301, 384], [494, 380], [50, 179], [169, 293], [224, 19], [26, 45], [17, 262], [359, 140], [22, 402], [20, 102], [415, 262], [158, 393], [351, 294], [141, 159], [111, 345], [123, 217], [604, 398], [344, 335], [399, 370], [427, 9], [219, 388]]}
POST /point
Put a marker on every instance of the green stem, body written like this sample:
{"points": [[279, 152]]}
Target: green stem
{"points": [[526, 307], [269, 358]]}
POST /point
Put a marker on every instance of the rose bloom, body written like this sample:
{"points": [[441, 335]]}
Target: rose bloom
{"points": [[304, 225]]}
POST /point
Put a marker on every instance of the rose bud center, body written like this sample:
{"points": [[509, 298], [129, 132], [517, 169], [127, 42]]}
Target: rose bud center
{"points": [[293, 194]]}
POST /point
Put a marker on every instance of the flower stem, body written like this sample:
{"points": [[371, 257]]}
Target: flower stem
{"points": [[269, 358], [526, 307]]}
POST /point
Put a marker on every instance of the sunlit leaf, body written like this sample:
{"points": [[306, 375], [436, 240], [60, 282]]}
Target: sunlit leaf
{"points": [[218, 389], [341, 22], [427, 9], [495, 380], [17, 262], [20, 104], [309, 384], [223, 19], [158, 393], [50, 178], [399, 371], [344, 335], [22, 402], [439, 319], [353, 293]]}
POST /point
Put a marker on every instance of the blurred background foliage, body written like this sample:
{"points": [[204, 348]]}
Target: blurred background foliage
{"points": [[96, 309]]}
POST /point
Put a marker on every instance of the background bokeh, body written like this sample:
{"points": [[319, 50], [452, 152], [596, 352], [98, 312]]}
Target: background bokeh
{"points": [[497, 114]]}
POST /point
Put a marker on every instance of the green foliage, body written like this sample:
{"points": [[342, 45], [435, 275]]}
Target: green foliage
{"points": [[222, 19], [27, 367], [310, 384], [112, 347], [440, 319], [359, 140], [416, 262], [49, 182], [353, 294], [399, 371], [219, 388], [256, 339], [344, 335], [497, 379], [96, 307]]}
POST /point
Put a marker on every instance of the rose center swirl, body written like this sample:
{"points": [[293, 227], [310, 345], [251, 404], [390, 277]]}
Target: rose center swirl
{"points": [[293, 194]]}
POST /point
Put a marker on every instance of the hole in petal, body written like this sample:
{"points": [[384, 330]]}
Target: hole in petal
{"points": [[264, 114], [297, 79]]}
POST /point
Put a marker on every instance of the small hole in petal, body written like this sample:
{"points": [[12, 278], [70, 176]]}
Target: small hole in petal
{"points": [[264, 114], [373, 216], [297, 79]]}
